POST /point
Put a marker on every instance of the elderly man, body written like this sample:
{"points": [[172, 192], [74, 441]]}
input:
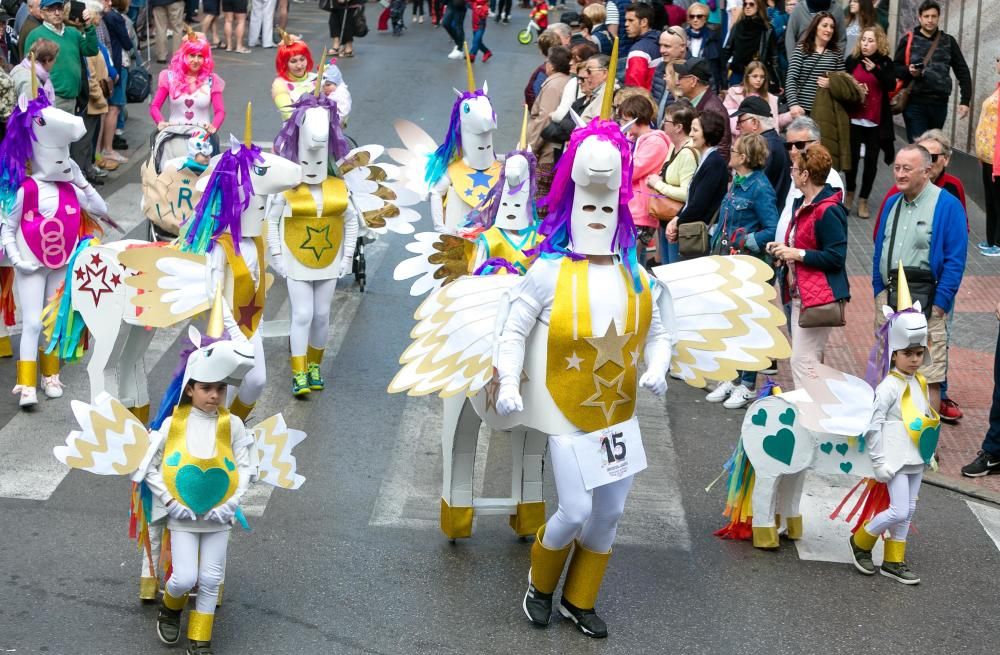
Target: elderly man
{"points": [[924, 229], [753, 116], [33, 17], [593, 77], [801, 133], [673, 50], [693, 79]]}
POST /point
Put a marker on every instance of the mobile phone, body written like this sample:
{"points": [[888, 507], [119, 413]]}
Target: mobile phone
{"points": [[918, 65], [76, 11]]}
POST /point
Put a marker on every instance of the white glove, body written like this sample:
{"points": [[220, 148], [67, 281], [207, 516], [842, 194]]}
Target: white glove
{"points": [[655, 381], [179, 512], [346, 265], [882, 472], [224, 513], [278, 264], [24, 266], [509, 400]]}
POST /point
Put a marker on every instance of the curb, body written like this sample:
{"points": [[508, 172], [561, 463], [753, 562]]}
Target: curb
{"points": [[961, 486]]}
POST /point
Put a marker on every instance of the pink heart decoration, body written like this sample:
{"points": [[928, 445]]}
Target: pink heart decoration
{"points": [[291, 87], [29, 215], [189, 102], [189, 115], [70, 209]]}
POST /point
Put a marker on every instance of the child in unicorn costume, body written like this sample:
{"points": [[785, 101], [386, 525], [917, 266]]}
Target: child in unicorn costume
{"points": [[460, 172], [43, 220], [902, 437]]}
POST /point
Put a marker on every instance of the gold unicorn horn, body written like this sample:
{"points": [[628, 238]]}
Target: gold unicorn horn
{"points": [[903, 299], [34, 78], [319, 75], [248, 128], [609, 85], [522, 144], [191, 34], [468, 68], [286, 38], [215, 326]]}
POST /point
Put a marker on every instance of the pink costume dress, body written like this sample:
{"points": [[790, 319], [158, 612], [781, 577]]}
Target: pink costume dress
{"points": [[203, 107]]}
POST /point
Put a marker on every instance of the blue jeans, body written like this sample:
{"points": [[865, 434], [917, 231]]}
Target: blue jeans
{"points": [[920, 117], [749, 379], [477, 41], [669, 252], [454, 22]]}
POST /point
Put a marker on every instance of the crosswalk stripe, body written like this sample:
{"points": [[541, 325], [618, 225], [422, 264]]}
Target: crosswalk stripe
{"points": [[989, 518], [823, 539]]}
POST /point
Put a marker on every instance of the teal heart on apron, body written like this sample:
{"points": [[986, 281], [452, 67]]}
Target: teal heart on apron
{"points": [[827, 447], [780, 446], [928, 443], [842, 449], [201, 490]]}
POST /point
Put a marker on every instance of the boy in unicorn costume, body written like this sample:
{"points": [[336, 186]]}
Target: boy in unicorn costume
{"points": [[902, 437], [586, 284], [312, 231], [42, 223], [461, 171]]}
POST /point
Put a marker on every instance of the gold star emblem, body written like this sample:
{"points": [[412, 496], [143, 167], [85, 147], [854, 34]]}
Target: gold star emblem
{"points": [[573, 361], [608, 395], [317, 240], [635, 356], [609, 347]]}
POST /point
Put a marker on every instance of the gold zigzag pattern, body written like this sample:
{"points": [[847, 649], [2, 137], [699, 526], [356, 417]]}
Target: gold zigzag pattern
{"points": [[279, 441], [102, 427]]}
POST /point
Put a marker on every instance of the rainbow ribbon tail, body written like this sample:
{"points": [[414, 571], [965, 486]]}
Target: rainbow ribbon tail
{"points": [[739, 506], [874, 498], [242, 519]]}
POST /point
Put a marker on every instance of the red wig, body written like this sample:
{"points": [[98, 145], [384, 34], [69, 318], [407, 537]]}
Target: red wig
{"points": [[286, 52]]}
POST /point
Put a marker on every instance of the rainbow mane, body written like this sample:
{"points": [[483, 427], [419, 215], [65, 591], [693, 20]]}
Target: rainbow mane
{"points": [[556, 226], [451, 149], [16, 149]]}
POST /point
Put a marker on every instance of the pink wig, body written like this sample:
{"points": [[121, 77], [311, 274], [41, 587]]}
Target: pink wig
{"points": [[179, 70]]}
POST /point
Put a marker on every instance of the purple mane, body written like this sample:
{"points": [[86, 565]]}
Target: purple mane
{"points": [[16, 148], [485, 213], [286, 144], [452, 146]]}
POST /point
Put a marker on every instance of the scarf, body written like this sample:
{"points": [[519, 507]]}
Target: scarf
{"points": [[695, 34]]}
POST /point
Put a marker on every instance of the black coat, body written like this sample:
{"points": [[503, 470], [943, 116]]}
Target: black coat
{"points": [[750, 39]]}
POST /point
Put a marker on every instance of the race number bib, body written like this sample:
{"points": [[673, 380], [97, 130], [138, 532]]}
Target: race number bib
{"points": [[611, 454]]}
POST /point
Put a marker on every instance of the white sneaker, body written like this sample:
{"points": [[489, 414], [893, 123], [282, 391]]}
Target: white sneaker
{"points": [[28, 396], [51, 385], [721, 392], [740, 397], [455, 54]]}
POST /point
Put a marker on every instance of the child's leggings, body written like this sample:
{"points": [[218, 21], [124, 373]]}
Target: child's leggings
{"points": [[198, 557], [903, 490]]}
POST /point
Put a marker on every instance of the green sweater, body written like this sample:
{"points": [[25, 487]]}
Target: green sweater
{"points": [[68, 71]]}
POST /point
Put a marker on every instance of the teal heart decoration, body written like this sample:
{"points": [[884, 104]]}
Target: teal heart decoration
{"points": [[780, 446], [201, 490], [861, 443], [787, 417], [826, 447], [846, 467], [174, 459], [842, 449], [916, 423], [229, 464], [928, 443], [760, 418]]}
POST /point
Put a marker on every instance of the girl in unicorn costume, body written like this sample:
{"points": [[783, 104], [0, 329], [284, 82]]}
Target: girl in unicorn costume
{"points": [[43, 222], [191, 470], [503, 228], [902, 437], [294, 65], [460, 172], [314, 227]]}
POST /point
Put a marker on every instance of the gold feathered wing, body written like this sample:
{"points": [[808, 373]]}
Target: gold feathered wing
{"points": [[172, 285], [726, 320], [383, 200], [439, 259], [110, 441], [452, 349]]}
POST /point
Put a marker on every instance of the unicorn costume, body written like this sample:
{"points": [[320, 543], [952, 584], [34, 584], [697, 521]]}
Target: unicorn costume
{"points": [[902, 438], [43, 223], [312, 232]]}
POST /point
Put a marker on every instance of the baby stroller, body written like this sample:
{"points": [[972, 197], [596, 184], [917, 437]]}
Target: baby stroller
{"points": [[528, 34], [169, 195]]}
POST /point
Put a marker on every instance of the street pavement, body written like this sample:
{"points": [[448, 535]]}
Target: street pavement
{"points": [[353, 562]]}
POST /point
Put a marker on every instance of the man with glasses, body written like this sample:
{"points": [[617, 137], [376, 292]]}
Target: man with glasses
{"points": [[753, 116], [693, 79], [67, 73], [925, 230], [705, 43], [593, 77]]}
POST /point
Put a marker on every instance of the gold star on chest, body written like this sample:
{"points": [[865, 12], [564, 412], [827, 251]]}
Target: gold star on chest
{"points": [[610, 347], [608, 395], [317, 240]]}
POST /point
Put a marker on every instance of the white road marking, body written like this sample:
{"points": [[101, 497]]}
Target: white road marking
{"points": [[989, 518], [825, 539]]}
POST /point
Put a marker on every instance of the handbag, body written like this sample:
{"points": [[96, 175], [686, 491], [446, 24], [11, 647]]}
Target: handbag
{"points": [[831, 314], [901, 98], [693, 239], [662, 207], [360, 24], [921, 282]]}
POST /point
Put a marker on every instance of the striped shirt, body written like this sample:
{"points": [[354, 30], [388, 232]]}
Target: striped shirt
{"points": [[611, 10], [804, 70]]}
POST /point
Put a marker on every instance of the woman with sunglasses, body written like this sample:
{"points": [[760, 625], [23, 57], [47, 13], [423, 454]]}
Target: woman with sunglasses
{"points": [[751, 39], [817, 54], [706, 43]]}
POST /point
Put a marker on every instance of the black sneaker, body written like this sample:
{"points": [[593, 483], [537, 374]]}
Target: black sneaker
{"points": [[168, 625], [899, 572], [119, 143], [985, 464], [199, 648], [586, 621], [772, 368], [537, 606], [862, 558]]}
